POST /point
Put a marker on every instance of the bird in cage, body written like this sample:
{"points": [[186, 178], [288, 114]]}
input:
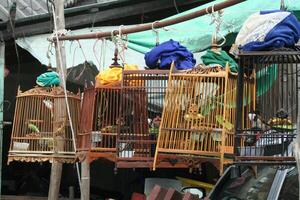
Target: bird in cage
{"points": [[257, 122], [281, 121], [49, 104], [33, 128], [192, 113], [258, 127]]}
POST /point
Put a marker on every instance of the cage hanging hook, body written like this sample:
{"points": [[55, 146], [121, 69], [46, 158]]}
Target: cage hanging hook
{"points": [[212, 10], [120, 31], [122, 44], [49, 51], [116, 52], [113, 36], [156, 33]]}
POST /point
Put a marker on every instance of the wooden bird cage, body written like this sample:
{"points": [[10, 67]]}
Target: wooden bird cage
{"points": [[120, 122], [199, 117], [41, 128], [99, 122], [143, 93], [265, 136]]}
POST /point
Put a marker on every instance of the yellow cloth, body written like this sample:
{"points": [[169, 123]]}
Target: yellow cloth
{"points": [[112, 76]]}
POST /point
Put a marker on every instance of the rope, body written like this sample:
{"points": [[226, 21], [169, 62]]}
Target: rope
{"points": [[94, 51], [56, 32], [122, 44], [217, 20]]}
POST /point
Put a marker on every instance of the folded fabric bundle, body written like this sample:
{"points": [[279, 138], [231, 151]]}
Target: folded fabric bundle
{"points": [[48, 79], [268, 30], [112, 75], [167, 52], [220, 58]]}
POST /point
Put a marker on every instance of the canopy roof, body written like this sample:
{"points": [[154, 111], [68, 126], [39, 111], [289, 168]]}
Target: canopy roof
{"points": [[194, 34]]}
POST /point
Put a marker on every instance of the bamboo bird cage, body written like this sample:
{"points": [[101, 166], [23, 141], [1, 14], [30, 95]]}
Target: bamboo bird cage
{"points": [[99, 122], [120, 122], [41, 130], [199, 116], [267, 137], [143, 93]]}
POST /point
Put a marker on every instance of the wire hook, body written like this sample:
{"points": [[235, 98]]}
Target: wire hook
{"points": [[212, 9], [122, 44], [113, 38], [120, 31], [156, 33]]}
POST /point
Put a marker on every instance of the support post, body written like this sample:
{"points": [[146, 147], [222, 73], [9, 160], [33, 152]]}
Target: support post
{"points": [[85, 179], [296, 145], [2, 58], [56, 168]]}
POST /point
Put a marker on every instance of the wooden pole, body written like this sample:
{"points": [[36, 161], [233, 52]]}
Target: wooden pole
{"points": [[2, 66], [158, 24], [85, 179], [297, 140], [56, 168]]}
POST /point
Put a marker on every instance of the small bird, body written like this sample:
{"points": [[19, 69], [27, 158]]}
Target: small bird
{"points": [[257, 122], [258, 127], [156, 121], [281, 113]]}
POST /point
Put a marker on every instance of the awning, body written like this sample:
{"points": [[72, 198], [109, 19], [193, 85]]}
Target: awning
{"points": [[196, 34]]}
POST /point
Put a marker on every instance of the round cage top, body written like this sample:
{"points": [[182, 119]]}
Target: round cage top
{"points": [[55, 92], [290, 55]]}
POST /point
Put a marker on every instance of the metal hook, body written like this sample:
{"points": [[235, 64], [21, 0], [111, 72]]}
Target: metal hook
{"points": [[113, 39], [212, 9], [116, 52], [120, 31], [282, 5], [156, 33]]}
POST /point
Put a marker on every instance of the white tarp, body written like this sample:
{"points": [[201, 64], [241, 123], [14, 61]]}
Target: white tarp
{"points": [[91, 50], [78, 52]]}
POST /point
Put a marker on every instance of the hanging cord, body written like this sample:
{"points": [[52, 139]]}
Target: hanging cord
{"points": [[103, 53], [94, 51], [217, 20], [56, 32], [101, 61], [84, 64], [156, 33], [175, 5], [49, 51], [122, 43], [282, 5]]}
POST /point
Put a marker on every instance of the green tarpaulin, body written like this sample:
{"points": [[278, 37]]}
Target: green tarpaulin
{"points": [[196, 34]]}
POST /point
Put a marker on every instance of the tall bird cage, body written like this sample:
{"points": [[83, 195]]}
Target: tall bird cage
{"points": [[267, 125], [120, 122], [41, 128], [143, 93], [99, 122], [199, 116]]}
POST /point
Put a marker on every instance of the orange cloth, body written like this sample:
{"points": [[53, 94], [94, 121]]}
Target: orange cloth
{"points": [[112, 76]]}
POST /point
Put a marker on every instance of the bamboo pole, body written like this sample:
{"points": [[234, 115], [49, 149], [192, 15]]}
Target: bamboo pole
{"points": [[158, 24], [56, 168]]}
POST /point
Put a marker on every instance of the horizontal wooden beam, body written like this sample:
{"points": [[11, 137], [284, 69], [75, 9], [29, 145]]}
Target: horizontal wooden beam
{"points": [[87, 19]]}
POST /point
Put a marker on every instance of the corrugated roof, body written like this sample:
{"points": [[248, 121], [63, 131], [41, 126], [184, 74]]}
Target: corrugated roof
{"points": [[27, 8]]}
